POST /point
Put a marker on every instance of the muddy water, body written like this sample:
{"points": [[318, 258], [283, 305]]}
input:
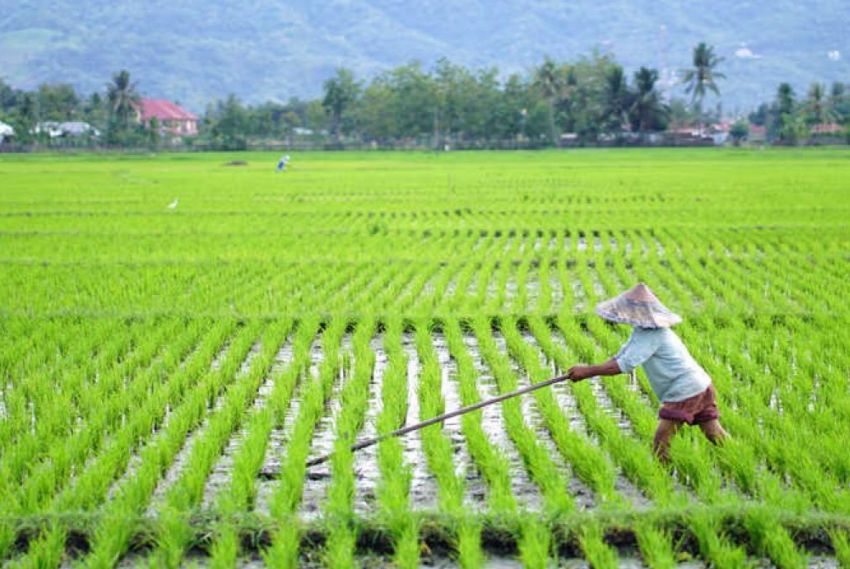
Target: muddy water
{"points": [[178, 465], [318, 477], [524, 490], [451, 287], [366, 460], [598, 289], [511, 288], [476, 489], [276, 447], [423, 485], [221, 474], [219, 357], [579, 296], [533, 287], [581, 493]]}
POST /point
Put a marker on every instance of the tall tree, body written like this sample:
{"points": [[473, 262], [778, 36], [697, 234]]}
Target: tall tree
{"points": [[703, 75], [648, 112], [787, 123], [617, 99], [341, 92], [785, 102], [10, 97], [547, 80], [229, 124], [57, 102], [123, 99], [839, 102]]}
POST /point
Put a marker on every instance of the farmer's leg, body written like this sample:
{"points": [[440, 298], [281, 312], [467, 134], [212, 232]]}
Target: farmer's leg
{"points": [[714, 431], [661, 444]]}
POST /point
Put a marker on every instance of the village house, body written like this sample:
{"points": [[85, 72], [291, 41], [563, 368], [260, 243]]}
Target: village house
{"points": [[172, 119], [827, 129], [6, 132], [67, 129]]}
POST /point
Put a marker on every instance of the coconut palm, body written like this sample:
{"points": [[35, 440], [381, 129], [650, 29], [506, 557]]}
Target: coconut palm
{"points": [[702, 76], [818, 107], [123, 98]]}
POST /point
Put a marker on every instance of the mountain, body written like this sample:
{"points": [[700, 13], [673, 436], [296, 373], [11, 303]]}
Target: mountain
{"points": [[195, 52]]}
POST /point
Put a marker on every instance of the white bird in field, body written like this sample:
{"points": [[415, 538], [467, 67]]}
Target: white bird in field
{"points": [[173, 205]]}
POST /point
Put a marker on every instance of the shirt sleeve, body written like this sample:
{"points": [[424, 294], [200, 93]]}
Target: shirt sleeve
{"points": [[639, 348]]}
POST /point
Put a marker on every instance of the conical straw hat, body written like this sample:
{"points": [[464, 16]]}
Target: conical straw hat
{"points": [[638, 306]]}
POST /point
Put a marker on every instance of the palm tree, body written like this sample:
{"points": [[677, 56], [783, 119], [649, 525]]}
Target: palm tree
{"points": [[548, 82], [818, 108], [648, 112], [702, 75], [123, 98]]}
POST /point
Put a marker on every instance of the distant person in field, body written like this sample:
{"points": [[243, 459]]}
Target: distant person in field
{"points": [[683, 387], [281, 164]]}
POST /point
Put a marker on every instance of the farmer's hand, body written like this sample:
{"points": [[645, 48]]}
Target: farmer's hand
{"points": [[577, 373]]}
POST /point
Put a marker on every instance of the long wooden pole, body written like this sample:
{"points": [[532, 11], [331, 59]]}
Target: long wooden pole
{"points": [[432, 421]]}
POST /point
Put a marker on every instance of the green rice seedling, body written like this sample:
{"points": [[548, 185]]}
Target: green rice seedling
{"points": [[593, 546], [713, 546], [655, 545], [540, 465], [438, 449], [440, 454], [393, 490], [771, 539], [469, 552], [535, 544], [288, 493], [841, 545], [588, 462], [489, 460], [338, 511], [90, 487], [110, 538], [240, 496]]}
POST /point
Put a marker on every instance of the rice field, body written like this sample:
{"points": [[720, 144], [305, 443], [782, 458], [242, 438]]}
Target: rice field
{"points": [[180, 334]]}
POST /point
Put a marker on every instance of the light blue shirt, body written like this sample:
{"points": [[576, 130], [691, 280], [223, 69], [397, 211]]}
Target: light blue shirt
{"points": [[672, 372]]}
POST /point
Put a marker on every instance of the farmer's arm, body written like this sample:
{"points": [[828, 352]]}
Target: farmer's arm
{"points": [[577, 373], [638, 349]]}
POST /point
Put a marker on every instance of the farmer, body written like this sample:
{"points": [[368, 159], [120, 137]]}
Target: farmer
{"points": [[281, 164], [683, 387]]}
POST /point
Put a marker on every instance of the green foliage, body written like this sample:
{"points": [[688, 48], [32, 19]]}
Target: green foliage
{"points": [[739, 132]]}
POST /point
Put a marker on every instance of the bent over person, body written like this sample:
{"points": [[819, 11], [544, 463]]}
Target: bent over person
{"points": [[683, 387]]}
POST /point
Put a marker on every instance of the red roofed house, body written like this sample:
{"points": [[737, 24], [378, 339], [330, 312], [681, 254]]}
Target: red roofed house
{"points": [[172, 119], [827, 128]]}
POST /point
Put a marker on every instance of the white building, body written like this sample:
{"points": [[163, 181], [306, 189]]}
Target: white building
{"points": [[55, 129], [6, 131]]}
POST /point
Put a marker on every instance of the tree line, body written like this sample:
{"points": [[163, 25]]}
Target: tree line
{"points": [[593, 98]]}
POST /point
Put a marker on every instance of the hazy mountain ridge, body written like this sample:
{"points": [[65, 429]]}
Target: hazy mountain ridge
{"points": [[195, 52]]}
